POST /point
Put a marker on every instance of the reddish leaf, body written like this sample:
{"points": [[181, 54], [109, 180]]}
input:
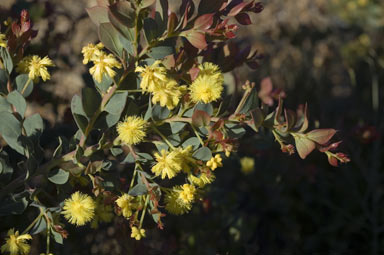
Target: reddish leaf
{"points": [[321, 136], [204, 22], [194, 72], [98, 14], [304, 146], [172, 21], [197, 39], [124, 13], [200, 118], [243, 19], [305, 121], [265, 91], [238, 8], [210, 6]]}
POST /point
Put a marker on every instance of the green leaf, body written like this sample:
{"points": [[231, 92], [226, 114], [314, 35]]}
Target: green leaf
{"points": [[176, 127], [105, 83], [21, 81], [7, 60], [18, 101], [3, 81], [98, 14], [10, 129], [4, 105], [109, 36], [127, 45], [138, 190], [39, 227], [200, 118], [151, 30], [304, 146], [204, 153], [57, 236], [78, 113], [117, 103], [161, 52], [90, 100], [33, 125], [321, 136], [251, 103], [257, 118], [148, 113], [124, 13], [58, 176], [160, 113], [193, 141], [205, 107]]}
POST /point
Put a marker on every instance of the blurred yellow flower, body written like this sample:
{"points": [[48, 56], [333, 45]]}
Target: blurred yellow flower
{"points": [[3, 43], [137, 233], [247, 165], [208, 85], [35, 67], [152, 76], [173, 204], [91, 52], [127, 204], [215, 162], [79, 209], [16, 244], [187, 193], [168, 93], [132, 130], [104, 64], [103, 213], [202, 180]]}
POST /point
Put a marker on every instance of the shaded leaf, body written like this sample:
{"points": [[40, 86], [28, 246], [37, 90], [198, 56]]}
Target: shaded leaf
{"points": [[109, 36], [138, 190], [304, 146], [10, 130], [58, 176], [20, 81], [200, 118], [321, 136], [91, 100], [98, 14]]}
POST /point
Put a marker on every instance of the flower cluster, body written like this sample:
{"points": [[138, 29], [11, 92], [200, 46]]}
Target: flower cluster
{"points": [[35, 67], [103, 62], [16, 244]]}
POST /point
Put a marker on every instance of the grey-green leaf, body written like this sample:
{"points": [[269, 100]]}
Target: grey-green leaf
{"points": [[10, 129], [204, 153], [18, 101], [58, 176]]}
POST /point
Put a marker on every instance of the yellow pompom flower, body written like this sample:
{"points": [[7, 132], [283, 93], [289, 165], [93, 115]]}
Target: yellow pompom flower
{"points": [[247, 165], [186, 159], [79, 209], [202, 180], [35, 67], [174, 204], [215, 162], [3, 43], [16, 244], [208, 85], [127, 204], [104, 63], [169, 164], [187, 193], [91, 52], [151, 76], [132, 130], [167, 93], [103, 213], [137, 233]]}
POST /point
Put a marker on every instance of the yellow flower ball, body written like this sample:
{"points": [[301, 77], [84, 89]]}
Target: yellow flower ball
{"points": [[152, 76], [132, 130], [208, 85], [104, 64], [215, 162], [79, 209], [91, 52], [137, 233], [16, 244], [3, 43], [187, 194], [35, 67], [168, 93], [127, 204], [247, 165], [173, 204]]}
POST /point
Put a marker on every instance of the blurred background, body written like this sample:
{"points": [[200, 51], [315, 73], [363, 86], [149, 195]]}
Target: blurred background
{"points": [[329, 53]]}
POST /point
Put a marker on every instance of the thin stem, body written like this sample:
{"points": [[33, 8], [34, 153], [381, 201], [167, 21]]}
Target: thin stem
{"points": [[26, 85], [133, 178], [143, 213], [48, 239], [197, 134], [33, 222], [163, 137]]}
